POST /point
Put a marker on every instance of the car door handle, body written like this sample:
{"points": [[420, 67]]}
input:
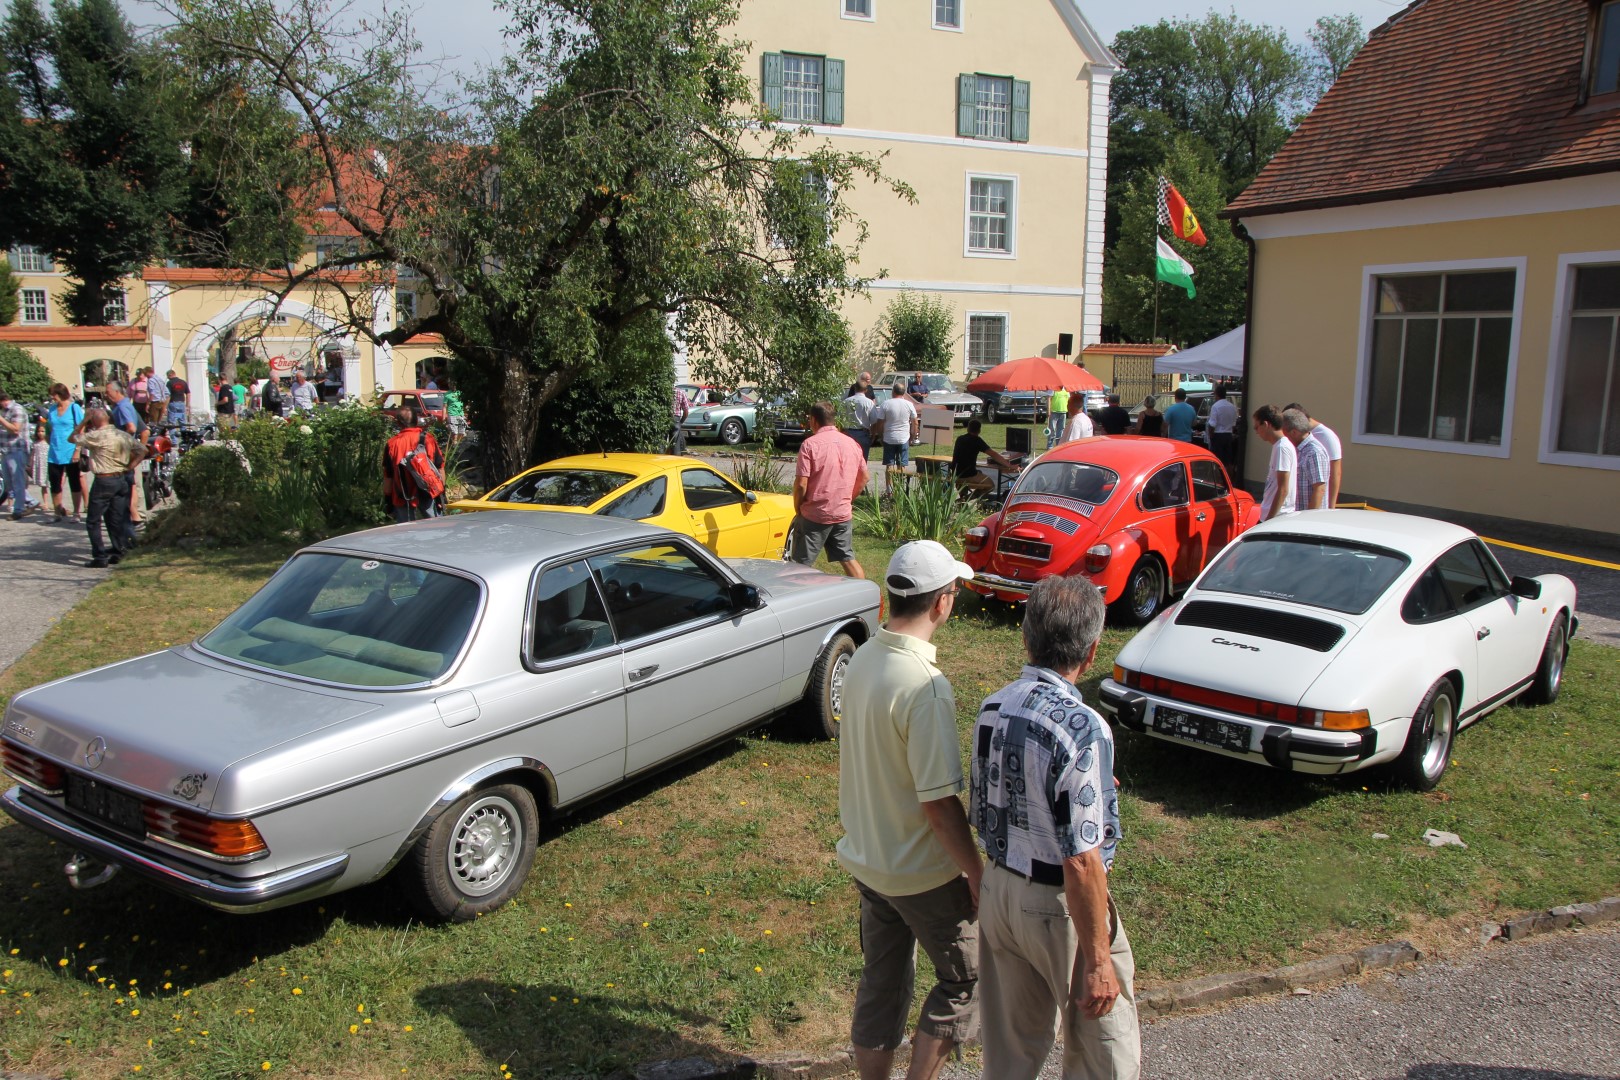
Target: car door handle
{"points": [[1201, 516], [642, 672], [1482, 633]]}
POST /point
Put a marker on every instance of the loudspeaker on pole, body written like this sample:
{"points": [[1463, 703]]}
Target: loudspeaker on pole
{"points": [[1065, 344]]}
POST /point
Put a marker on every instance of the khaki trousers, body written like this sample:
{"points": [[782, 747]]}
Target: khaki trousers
{"points": [[1026, 956]]}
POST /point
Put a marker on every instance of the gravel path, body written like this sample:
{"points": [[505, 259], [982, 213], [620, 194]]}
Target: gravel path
{"points": [[45, 575]]}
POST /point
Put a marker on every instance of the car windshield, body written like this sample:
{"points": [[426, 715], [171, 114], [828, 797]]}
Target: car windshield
{"points": [[1309, 570], [746, 395], [560, 487], [353, 621], [937, 382], [1068, 480]]}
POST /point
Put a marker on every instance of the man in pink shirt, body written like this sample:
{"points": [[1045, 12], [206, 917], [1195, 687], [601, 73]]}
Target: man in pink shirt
{"points": [[831, 472]]}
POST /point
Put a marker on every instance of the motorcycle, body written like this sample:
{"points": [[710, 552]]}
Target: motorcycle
{"points": [[164, 453]]}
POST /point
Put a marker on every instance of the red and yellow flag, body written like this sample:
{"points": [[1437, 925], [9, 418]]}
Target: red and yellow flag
{"points": [[1174, 212]]}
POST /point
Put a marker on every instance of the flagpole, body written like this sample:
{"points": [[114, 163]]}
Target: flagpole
{"points": [[1155, 339]]}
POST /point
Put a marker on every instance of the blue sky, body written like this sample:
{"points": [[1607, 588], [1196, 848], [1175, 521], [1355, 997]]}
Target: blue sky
{"points": [[468, 32]]}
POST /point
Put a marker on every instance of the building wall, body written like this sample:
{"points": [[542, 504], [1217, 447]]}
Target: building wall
{"points": [[1307, 338], [900, 99]]}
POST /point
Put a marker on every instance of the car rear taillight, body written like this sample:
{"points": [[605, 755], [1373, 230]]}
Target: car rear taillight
{"points": [[1097, 556], [228, 840], [975, 538], [32, 771], [1242, 704]]}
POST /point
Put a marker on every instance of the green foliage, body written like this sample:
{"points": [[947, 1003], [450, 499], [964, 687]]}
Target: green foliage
{"points": [[918, 332], [1334, 42], [93, 166], [763, 470], [9, 284], [214, 488], [22, 374], [920, 508], [629, 411]]}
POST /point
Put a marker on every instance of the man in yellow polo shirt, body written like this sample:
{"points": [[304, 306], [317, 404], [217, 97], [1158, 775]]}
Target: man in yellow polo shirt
{"points": [[906, 838], [1057, 416]]}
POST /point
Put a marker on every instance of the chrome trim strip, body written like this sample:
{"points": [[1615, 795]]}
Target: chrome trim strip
{"points": [[676, 673], [1001, 584], [246, 895]]}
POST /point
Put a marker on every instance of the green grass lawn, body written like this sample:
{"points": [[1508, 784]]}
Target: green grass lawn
{"points": [[702, 911]]}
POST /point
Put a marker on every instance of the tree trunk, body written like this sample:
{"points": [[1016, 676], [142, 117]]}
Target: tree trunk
{"points": [[227, 356], [513, 416]]}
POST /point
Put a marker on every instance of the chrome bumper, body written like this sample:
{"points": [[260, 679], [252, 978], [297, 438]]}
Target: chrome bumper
{"points": [[242, 895], [1000, 584]]}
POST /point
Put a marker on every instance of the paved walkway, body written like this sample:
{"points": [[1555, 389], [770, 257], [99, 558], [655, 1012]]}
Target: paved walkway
{"points": [[45, 575]]}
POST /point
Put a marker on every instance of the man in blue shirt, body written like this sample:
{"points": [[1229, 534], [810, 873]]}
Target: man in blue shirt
{"points": [[1178, 418]]}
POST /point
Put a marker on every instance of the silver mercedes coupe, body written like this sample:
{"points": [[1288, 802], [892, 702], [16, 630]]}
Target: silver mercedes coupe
{"points": [[415, 700]]}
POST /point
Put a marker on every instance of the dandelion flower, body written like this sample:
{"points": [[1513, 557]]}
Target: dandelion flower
{"points": [[354, 1029], [62, 962], [265, 1065], [298, 991], [410, 1028]]}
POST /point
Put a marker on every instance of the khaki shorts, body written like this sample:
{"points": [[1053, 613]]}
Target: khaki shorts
{"points": [[810, 536], [941, 921]]}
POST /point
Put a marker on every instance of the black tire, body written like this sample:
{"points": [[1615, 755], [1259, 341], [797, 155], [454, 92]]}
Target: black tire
{"points": [[475, 857], [149, 491], [1143, 597], [823, 705], [733, 431], [1550, 671], [1427, 751]]}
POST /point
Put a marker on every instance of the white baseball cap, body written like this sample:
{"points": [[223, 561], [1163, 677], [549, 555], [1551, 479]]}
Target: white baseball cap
{"points": [[924, 566]]}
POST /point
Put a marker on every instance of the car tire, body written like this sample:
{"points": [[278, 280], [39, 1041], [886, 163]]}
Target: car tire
{"points": [[1550, 671], [823, 706], [1143, 597], [1427, 751], [475, 856], [149, 492], [733, 432]]}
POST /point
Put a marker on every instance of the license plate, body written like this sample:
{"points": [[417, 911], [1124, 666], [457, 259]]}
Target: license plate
{"points": [[106, 804], [1201, 729]]}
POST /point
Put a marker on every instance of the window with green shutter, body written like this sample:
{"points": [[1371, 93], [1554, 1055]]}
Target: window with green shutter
{"points": [[800, 88], [993, 107]]}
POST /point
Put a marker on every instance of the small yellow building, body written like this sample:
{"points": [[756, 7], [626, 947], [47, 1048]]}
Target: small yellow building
{"points": [[1437, 263]]}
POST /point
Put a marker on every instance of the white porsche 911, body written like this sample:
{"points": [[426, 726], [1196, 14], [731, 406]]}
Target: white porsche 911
{"points": [[1337, 640]]}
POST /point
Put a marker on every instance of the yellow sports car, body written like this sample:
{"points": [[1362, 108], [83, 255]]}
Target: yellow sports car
{"points": [[674, 492]]}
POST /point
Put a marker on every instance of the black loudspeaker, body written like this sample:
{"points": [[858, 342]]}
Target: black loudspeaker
{"points": [[1065, 344]]}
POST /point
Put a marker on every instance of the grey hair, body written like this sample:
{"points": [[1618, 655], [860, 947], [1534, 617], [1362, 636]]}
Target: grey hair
{"points": [[1062, 621], [90, 410], [1149, 401], [114, 384], [1295, 420]]}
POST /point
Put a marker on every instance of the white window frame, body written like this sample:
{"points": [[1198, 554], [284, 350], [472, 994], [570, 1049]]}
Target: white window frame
{"points": [[821, 88], [956, 27], [1369, 308], [845, 13], [401, 316], [1552, 399], [968, 250], [32, 251], [119, 304], [967, 337], [22, 307]]}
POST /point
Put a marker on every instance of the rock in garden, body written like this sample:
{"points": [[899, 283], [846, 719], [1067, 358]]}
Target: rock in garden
{"points": [[1436, 838]]}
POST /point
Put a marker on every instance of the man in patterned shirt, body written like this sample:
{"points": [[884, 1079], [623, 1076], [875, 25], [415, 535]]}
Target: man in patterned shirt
{"points": [[1047, 813], [1312, 465]]}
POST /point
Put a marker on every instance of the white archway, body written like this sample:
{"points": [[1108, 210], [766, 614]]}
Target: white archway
{"points": [[205, 337]]}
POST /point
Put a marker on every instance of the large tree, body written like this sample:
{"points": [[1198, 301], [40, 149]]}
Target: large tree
{"points": [[611, 172], [90, 166]]}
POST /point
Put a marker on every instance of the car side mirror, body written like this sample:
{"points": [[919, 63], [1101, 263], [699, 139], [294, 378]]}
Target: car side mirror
{"points": [[749, 496], [1527, 587], [744, 596]]}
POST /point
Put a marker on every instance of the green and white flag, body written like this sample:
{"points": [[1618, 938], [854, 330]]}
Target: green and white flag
{"points": [[1173, 269]]}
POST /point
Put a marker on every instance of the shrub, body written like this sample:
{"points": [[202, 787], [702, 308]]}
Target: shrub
{"points": [[761, 471], [917, 333], [623, 404], [922, 508], [23, 376]]}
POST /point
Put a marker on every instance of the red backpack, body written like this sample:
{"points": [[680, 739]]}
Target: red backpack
{"points": [[414, 471]]}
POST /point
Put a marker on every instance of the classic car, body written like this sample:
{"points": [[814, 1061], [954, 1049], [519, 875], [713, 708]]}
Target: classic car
{"points": [[415, 700], [940, 391], [1336, 640], [430, 402], [1015, 406], [732, 421], [1138, 516], [673, 492], [700, 393]]}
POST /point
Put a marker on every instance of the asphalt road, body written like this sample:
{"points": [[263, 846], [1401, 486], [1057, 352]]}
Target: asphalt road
{"points": [[45, 575]]}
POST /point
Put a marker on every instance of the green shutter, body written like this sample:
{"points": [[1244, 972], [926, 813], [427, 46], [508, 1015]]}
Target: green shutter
{"points": [[832, 91], [1020, 111], [967, 105], [770, 83]]}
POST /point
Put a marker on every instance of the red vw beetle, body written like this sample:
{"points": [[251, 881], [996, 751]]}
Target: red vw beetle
{"points": [[1138, 515]]}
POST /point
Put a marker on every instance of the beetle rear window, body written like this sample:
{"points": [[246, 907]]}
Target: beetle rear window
{"points": [[1068, 480], [1306, 570], [353, 621], [560, 487]]}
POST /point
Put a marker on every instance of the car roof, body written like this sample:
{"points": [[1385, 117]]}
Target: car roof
{"points": [[1124, 453], [1422, 539], [494, 542]]}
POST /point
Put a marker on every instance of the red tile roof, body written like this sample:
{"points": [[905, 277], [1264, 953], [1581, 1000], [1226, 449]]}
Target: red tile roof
{"points": [[1126, 349], [1449, 95], [26, 334]]}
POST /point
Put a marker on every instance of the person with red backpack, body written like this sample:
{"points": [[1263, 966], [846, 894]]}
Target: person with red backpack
{"points": [[413, 471]]}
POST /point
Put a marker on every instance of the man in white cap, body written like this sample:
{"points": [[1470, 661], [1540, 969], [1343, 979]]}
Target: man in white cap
{"points": [[906, 838]]}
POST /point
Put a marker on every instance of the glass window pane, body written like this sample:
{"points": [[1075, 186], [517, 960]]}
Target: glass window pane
{"points": [[1606, 61], [657, 588], [1417, 378], [639, 503], [801, 88], [947, 13], [1587, 360], [705, 490], [1386, 372], [1465, 578], [1456, 375], [1414, 293], [1597, 288], [568, 614], [1490, 381], [1491, 291]]}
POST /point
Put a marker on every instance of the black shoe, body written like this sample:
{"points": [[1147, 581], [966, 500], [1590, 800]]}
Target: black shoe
{"points": [[115, 558], [97, 564]]}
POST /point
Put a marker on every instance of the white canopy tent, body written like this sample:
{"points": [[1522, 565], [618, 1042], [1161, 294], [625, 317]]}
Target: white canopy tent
{"points": [[1222, 356]]}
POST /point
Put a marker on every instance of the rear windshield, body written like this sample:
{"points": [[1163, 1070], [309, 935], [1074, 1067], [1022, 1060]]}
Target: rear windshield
{"points": [[353, 621], [560, 487], [1306, 570], [1068, 480]]}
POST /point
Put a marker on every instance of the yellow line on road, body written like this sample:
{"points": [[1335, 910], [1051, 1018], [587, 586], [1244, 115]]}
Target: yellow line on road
{"points": [[1516, 547]]}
